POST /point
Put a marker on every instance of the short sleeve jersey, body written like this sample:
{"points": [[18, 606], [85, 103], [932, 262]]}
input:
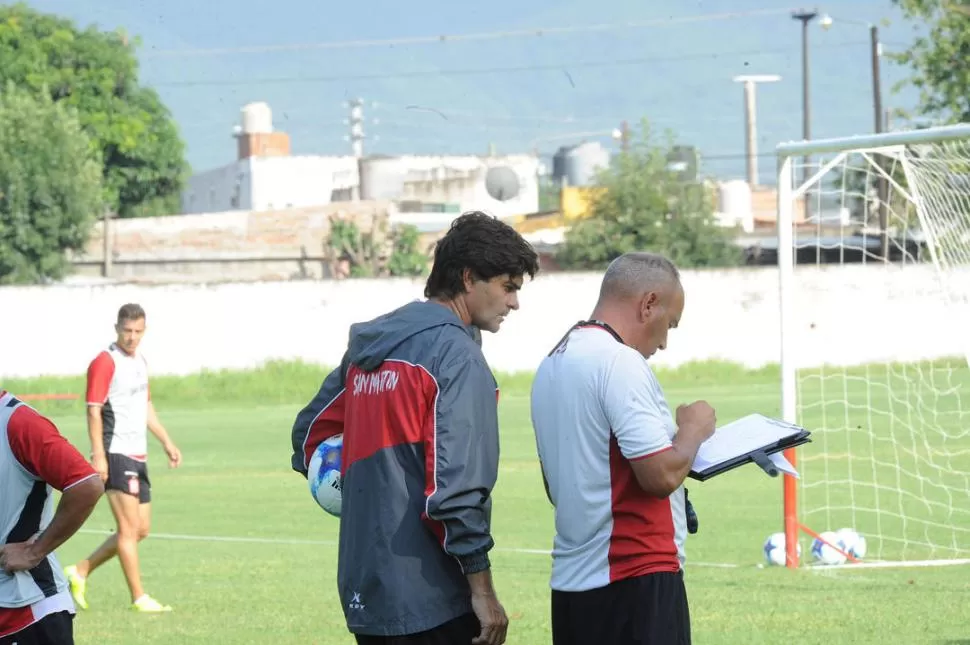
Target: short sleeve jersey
{"points": [[596, 407], [34, 460], [118, 382]]}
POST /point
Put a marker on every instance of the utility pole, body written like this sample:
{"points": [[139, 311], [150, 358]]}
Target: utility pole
{"points": [[625, 137], [875, 48], [106, 243], [805, 17], [880, 123], [750, 120], [357, 142], [882, 186]]}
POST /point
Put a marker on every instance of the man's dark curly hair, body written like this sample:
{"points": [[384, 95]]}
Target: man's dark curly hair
{"points": [[485, 246]]}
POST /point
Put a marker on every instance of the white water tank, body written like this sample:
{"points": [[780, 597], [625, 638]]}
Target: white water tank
{"points": [[577, 165], [735, 204], [257, 118], [382, 178]]}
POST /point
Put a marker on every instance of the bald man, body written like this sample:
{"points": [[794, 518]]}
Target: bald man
{"points": [[614, 461]]}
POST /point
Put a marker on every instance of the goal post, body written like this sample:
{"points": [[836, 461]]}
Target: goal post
{"points": [[873, 237]]}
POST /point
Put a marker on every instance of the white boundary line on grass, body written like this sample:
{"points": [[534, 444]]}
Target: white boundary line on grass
{"points": [[892, 564], [299, 542], [879, 564]]}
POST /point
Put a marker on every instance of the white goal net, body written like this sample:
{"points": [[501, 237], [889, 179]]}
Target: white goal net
{"points": [[874, 261]]}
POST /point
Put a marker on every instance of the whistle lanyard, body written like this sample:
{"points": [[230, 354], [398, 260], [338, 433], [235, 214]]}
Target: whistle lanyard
{"points": [[561, 345]]}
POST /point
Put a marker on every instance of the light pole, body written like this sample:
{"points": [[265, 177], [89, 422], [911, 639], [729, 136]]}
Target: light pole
{"points": [[750, 120], [875, 52], [805, 17]]}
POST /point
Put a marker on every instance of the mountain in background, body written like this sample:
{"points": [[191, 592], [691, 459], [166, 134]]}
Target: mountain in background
{"points": [[514, 93]]}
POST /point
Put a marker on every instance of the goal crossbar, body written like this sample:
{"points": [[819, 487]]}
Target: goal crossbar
{"points": [[868, 142]]}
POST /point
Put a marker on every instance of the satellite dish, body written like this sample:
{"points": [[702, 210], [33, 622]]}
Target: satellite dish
{"points": [[502, 183]]}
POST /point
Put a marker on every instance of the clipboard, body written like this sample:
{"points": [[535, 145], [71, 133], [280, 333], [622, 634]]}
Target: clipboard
{"points": [[781, 436]]}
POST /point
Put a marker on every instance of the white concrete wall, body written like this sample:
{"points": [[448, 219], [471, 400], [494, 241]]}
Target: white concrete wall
{"points": [[294, 182], [454, 179], [220, 189], [845, 315], [267, 183]]}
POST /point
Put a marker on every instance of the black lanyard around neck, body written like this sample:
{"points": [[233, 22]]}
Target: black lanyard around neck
{"points": [[561, 345]]}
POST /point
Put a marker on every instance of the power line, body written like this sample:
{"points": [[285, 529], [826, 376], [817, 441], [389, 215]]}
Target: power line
{"points": [[446, 38], [448, 113], [268, 80]]}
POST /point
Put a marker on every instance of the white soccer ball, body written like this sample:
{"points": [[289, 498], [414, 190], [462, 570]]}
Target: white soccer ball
{"points": [[323, 476], [823, 552], [774, 549], [855, 543]]}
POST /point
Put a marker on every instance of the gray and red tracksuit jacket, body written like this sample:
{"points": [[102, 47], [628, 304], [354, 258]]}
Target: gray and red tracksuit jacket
{"points": [[417, 405]]}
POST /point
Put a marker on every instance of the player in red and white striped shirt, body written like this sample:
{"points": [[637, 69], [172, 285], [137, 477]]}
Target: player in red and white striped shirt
{"points": [[35, 603]]}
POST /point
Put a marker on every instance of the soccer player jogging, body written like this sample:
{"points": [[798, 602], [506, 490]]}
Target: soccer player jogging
{"points": [[35, 604], [416, 403], [119, 410], [614, 461]]}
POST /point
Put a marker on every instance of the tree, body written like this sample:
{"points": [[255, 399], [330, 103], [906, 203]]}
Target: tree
{"points": [[643, 206], [406, 259], [50, 186], [857, 186], [97, 73], [377, 252], [939, 59]]}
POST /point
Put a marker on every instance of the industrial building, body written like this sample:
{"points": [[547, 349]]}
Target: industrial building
{"points": [[430, 190]]}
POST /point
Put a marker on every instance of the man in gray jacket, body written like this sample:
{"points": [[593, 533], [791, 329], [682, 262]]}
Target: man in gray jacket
{"points": [[416, 403]]}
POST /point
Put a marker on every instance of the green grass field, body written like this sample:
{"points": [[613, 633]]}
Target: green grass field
{"points": [[245, 556]]}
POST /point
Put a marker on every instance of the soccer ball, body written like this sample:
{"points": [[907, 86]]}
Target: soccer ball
{"points": [[823, 551], [324, 477], [774, 549], [855, 544]]}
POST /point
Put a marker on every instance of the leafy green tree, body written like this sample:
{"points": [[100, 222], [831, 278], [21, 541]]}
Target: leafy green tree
{"points": [[378, 252], [643, 206], [406, 258], [939, 58], [97, 73], [50, 186]]}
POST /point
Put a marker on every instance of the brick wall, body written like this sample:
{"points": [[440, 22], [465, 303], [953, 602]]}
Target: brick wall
{"points": [[236, 245]]}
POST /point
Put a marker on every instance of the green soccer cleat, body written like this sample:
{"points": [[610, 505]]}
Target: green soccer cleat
{"points": [[78, 586], [148, 605]]}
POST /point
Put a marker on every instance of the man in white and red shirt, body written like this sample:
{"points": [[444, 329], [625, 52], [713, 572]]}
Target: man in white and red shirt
{"points": [[119, 411], [35, 604], [614, 461]]}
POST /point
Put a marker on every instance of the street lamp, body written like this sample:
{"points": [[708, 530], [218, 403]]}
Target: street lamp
{"points": [[750, 120], [805, 17], [882, 188], [875, 47]]}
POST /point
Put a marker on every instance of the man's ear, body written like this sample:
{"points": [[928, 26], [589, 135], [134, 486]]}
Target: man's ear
{"points": [[648, 303], [467, 279]]}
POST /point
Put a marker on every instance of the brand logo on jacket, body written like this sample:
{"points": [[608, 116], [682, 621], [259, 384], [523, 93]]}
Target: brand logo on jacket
{"points": [[375, 382]]}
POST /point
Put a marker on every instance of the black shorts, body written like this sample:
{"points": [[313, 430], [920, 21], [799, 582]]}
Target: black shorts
{"points": [[459, 631], [52, 629], [129, 476], [647, 610]]}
